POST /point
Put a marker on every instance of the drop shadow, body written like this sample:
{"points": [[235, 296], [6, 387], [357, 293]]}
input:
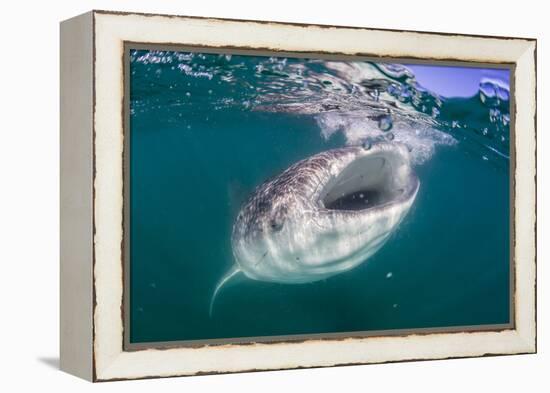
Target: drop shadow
{"points": [[50, 361]]}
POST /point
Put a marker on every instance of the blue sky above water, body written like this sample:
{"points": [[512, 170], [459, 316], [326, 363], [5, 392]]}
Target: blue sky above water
{"points": [[449, 81]]}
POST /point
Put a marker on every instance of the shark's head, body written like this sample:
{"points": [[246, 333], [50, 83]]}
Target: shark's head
{"points": [[325, 214]]}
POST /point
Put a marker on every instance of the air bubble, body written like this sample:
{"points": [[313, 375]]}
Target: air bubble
{"points": [[390, 137], [385, 122], [367, 145], [494, 115], [502, 93], [487, 90]]}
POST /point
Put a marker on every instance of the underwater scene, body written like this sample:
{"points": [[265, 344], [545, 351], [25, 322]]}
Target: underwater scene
{"points": [[281, 196]]}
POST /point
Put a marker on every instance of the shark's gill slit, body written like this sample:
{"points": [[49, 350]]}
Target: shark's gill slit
{"points": [[322, 216]]}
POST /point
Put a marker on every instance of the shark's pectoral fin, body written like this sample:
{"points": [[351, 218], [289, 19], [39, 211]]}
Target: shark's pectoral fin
{"points": [[234, 271]]}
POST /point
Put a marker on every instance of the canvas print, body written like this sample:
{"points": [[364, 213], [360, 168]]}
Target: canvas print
{"points": [[285, 197]]}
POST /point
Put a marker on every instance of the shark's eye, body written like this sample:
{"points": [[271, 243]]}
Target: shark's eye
{"points": [[263, 206], [276, 225]]}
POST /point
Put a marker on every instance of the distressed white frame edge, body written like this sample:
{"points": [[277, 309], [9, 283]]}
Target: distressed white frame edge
{"points": [[110, 32], [76, 193]]}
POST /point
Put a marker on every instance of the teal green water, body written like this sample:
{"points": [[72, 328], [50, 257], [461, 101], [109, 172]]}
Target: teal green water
{"points": [[205, 131]]}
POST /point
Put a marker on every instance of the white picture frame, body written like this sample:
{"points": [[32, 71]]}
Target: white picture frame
{"points": [[92, 195]]}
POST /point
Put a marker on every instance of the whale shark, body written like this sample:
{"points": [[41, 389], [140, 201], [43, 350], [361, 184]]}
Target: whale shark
{"points": [[322, 216]]}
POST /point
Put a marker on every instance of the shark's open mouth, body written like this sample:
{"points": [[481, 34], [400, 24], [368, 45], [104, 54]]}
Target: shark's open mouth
{"points": [[370, 181]]}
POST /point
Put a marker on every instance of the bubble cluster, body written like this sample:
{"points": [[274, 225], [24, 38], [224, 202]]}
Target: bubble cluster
{"points": [[364, 101]]}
